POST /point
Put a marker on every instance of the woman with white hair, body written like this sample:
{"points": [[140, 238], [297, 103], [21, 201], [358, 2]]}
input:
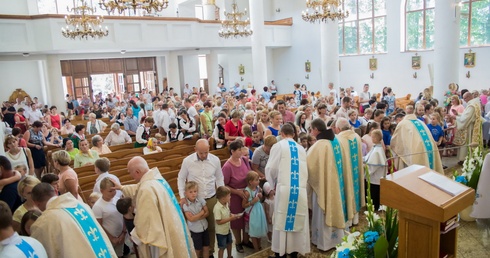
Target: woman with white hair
{"points": [[94, 125], [99, 146], [117, 136]]}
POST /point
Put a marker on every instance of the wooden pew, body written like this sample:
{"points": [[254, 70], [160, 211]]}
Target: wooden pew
{"points": [[169, 169]]}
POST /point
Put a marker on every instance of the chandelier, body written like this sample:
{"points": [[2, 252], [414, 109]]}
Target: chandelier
{"points": [[83, 25], [233, 25], [122, 5], [322, 10]]}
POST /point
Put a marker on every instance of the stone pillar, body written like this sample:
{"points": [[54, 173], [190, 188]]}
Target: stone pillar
{"points": [[213, 71], [209, 8], [446, 46], [173, 72], [259, 60], [329, 50]]}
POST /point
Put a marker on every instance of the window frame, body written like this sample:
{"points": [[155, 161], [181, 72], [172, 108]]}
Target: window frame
{"points": [[469, 18], [424, 25]]}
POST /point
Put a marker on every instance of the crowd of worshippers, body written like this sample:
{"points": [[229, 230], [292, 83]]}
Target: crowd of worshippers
{"points": [[277, 147]]}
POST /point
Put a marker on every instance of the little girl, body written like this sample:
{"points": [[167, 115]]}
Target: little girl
{"points": [[269, 208], [254, 212], [367, 139], [353, 121], [27, 220], [385, 128], [55, 138]]}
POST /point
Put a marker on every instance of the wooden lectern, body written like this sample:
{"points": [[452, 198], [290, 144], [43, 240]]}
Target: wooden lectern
{"points": [[422, 208]]}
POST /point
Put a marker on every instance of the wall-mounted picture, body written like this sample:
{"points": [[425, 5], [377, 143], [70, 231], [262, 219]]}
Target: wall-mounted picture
{"points": [[416, 62], [373, 64], [469, 59], [307, 66], [241, 69]]}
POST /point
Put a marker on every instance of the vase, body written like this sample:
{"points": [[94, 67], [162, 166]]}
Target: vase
{"points": [[465, 214]]}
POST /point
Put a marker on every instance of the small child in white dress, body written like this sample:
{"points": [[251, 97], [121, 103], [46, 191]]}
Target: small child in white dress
{"points": [[268, 207]]}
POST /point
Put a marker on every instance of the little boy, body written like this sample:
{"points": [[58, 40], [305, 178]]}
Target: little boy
{"points": [[125, 207], [223, 217], [22, 169], [173, 134], [93, 198], [51, 179], [196, 211], [376, 161], [247, 132], [108, 217], [257, 141]]}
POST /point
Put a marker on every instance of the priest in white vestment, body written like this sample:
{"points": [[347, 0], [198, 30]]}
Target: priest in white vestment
{"points": [[160, 227], [68, 227], [469, 125], [412, 143], [481, 207], [286, 172]]}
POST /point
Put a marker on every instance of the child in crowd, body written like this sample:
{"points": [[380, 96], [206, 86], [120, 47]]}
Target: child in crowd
{"points": [[223, 216], [125, 207], [450, 121], [159, 138], [152, 146], [24, 188], [269, 207], [297, 94], [109, 218], [27, 220], [174, 134], [311, 140], [247, 132], [367, 138], [376, 161], [93, 198], [51, 179], [22, 169], [254, 211], [303, 140], [385, 128], [55, 138], [436, 130], [17, 133], [353, 121], [196, 211], [249, 120], [257, 139]]}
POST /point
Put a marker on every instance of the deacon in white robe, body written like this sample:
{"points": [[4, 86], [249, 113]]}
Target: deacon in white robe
{"points": [[160, 227], [286, 172], [412, 142], [481, 207], [68, 227]]}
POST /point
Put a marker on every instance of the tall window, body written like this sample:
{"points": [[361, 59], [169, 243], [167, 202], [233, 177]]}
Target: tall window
{"points": [[419, 24], [364, 31], [475, 23], [60, 7]]}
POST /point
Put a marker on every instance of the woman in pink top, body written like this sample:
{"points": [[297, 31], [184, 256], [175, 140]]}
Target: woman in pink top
{"points": [[54, 119], [456, 105], [68, 177], [235, 171]]}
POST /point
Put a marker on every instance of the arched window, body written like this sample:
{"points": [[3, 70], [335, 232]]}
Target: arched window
{"points": [[419, 24], [364, 31], [475, 23]]}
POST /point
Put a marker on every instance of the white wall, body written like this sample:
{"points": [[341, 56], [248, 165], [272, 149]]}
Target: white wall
{"points": [[230, 61], [21, 74], [190, 71]]}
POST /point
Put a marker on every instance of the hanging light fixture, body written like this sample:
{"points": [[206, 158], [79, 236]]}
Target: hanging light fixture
{"points": [[83, 24], [234, 25], [122, 5], [323, 10]]}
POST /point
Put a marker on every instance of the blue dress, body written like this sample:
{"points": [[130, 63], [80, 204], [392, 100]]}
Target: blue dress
{"points": [[258, 222]]}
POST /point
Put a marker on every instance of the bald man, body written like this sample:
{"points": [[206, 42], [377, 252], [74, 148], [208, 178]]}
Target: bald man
{"points": [[468, 125], [160, 228], [205, 169]]}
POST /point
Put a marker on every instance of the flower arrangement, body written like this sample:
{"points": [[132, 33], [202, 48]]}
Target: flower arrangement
{"points": [[472, 166], [379, 240]]}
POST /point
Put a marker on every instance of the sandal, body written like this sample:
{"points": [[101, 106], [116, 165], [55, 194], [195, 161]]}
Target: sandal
{"points": [[239, 248]]}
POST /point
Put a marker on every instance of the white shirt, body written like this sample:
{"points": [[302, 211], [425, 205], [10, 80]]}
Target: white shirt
{"points": [[165, 120], [192, 112], [117, 139], [8, 248], [112, 220], [102, 176], [206, 173], [364, 96], [33, 115], [157, 116]]}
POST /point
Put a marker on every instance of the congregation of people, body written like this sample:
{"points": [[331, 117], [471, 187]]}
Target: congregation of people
{"points": [[296, 173]]}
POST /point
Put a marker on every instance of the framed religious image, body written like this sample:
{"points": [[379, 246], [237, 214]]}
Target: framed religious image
{"points": [[416, 62], [469, 60], [307, 66], [373, 64], [241, 69]]}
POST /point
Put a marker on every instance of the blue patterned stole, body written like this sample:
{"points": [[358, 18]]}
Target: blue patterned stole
{"points": [[90, 230], [337, 153], [354, 150], [427, 142], [27, 249], [294, 188], [176, 205]]}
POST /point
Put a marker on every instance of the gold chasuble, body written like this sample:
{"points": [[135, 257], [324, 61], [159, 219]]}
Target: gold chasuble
{"points": [[412, 136], [353, 170]]}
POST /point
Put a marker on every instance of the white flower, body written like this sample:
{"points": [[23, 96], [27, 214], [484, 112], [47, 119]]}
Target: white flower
{"points": [[376, 217]]}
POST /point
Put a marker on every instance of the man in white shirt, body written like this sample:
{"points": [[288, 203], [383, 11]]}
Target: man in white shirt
{"points": [[365, 96], [33, 114], [11, 244], [101, 168], [205, 169], [187, 89], [342, 112], [165, 119], [191, 110], [332, 92]]}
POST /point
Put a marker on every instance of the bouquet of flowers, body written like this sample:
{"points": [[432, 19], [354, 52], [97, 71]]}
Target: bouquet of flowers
{"points": [[472, 166], [378, 240]]}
